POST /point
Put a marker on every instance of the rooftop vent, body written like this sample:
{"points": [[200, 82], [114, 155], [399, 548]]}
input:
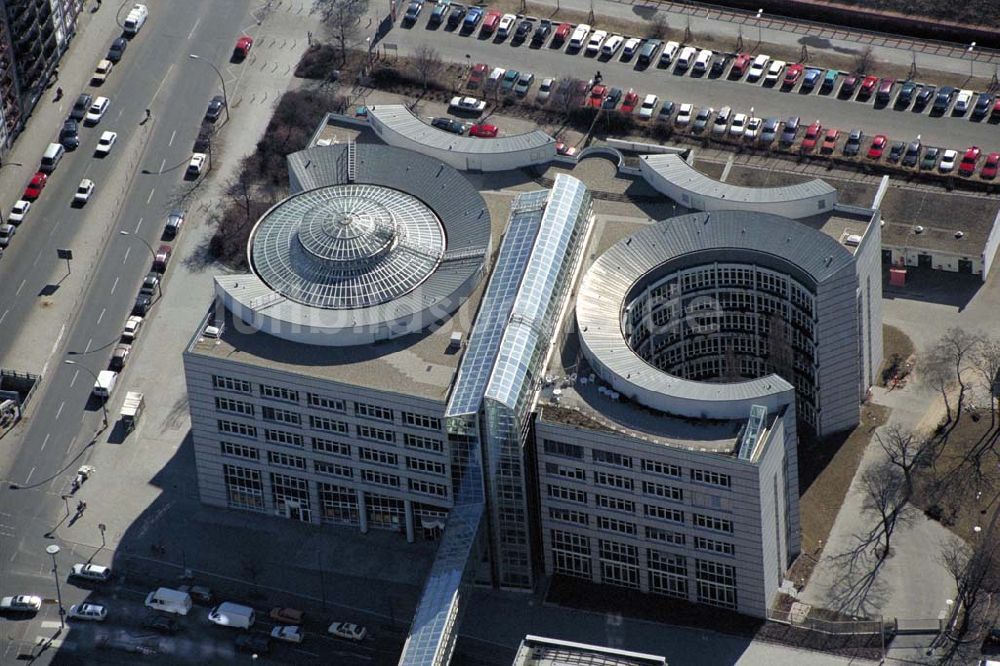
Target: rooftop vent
{"points": [[455, 341], [853, 240], [918, 229], [959, 234]]}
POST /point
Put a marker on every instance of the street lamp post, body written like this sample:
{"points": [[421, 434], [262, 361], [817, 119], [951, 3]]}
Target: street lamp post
{"points": [[53, 550], [104, 400], [152, 253], [66, 500], [101, 527], [225, 97], [760, 34], [972, 60]]}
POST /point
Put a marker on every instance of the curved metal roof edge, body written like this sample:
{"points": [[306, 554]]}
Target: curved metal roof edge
{"points": [[400, 119]]}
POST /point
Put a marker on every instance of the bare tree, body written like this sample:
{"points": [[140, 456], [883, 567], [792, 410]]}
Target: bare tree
{"points": [[568, 94], [864, 60], [885, 497], [906, 450], [986, 362], [956, 348], [658, 26], [937, 372], [342, 20], [974, 569], [426, 62]]}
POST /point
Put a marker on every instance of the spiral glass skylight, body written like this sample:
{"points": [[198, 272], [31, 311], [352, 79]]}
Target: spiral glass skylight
{"points": [[347, 246]]}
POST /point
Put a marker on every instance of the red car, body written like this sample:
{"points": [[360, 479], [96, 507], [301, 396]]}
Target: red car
{"points": [[792, 74], [491, 21], [631, 99], [878, 146], [161, 258], [850, 83], [479, 72], [562, 33], [830, 140], [740, 65], [597, 95], [812, 136], [35, 187], [868, 86], [967, 166], [483, 131], [243, 46], [564, 149], [991, 165]]}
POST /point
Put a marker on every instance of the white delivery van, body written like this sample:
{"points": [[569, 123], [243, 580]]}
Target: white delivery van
{"points": [[51, 157], [684, 59], [105, 384], [579, 34], [704, 58], [228, 614], [669, 51], [169, 601], [136, 18]]}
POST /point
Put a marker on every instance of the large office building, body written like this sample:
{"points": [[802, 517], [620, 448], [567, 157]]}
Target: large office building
{"points": [[545, 392]]}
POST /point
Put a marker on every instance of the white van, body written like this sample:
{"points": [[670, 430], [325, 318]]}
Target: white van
{"points": [[105, 384], [136, 18], [668, 53], [169, 601], [684, 59], [228, 614], [701, 64], [580, 34], [51, 157], [757, 67]]}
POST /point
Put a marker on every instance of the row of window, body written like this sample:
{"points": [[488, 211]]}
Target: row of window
{"points": [[317, 423], [653, 511]]}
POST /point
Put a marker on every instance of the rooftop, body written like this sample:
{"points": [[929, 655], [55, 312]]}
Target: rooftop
{"points": [[937, 212], [538, 651]]}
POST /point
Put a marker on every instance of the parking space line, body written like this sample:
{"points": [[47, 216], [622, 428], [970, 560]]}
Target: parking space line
{"points": [[28, 480], [87, 348], [194, 27], [58, 413], [4, 315], [173, 135], [18, 292], [101, 316], [162, 164]]}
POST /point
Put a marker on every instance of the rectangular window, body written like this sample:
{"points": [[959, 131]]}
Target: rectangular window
{"points": [[331, 447], [662, 490], [284, 437], [657, 467], [563, 449], [614, 503], [571, 554], [566, 472], [421, 421], [233, 450], [364, 410], [712, 523], [278, 393], [716, 583], [378, 457], [244, 488], [428, 488], [567, 494], [235, 428], [568, 516], [233, 406], [663, 513], [338, 504], [325, 402], [231, 384], [423, 443], [428, 466], [711, 478], [333, 469], [713, 546], [708, 501], [619, 563], [667, 573], [665, 536], [376, 434], [329, 425], [279, 415], [285, 460], [612, 480], [613, 525], [371, 476], [611, 458]]}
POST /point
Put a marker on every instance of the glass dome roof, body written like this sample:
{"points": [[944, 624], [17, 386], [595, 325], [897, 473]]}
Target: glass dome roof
{"points": [[347, 246]]}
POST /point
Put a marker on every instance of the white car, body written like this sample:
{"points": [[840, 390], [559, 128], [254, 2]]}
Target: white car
{"points": [[506, 23], [578, 36], [18, 211], [545, 90], [684, 114], [90, 572], [97, 111], [703, 60], [105, 143], [100, 74], [596, 41], [7, 232], [738, 125], [611, 45], [721, 120], [648, 106], [22, 603], [962, 101], [774, 71], [88, 611], [753, 129], [948, 159], [468, 104], [196, 164], [496, 76], [349, 631], [632, 44], [132, 326], [288, 633], [83, 191], [757, 67]]}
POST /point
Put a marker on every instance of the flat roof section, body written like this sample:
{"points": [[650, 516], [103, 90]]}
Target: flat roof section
{"points": [[943, 216], [539, 651]]}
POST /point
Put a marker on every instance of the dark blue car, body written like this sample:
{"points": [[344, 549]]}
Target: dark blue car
{"points": [[811, 78], [472, 18]]}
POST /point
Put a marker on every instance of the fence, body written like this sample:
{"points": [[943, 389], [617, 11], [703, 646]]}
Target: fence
{"points": [[832, 627]]}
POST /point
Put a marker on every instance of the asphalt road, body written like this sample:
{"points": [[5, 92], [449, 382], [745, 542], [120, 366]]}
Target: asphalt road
{"points": [[155, 73], [702, 91]]}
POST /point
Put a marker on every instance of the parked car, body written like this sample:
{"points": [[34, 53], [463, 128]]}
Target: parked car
{"points": [[983, 103], [790, 129], [18, 211], [253, 643], [483, 131], [896, 151], [867, 87], [163, 624], [648, 106], [812, 136], [721, 121], [949, 158], [119, 357], [35, 186], [141, 305], [631, 99], [288, 634], [769, 130], [774, 72], [523, 29], [150, 283], [7, 232], [684, 114], [479, 71], [967, 166], [792, 75], [596, 41], [740, 65], [666, 110], [175, 220], [162, 258], [348, 630], [196, 164], [849, 86], [470, 104], [930, 158], [878, 146], [22, 603], [101, 72], [830, 140], [611, 45], [439, 12], [83, 192], [629, 48], [753, 129], [942, 101], [456, 16], [738, 125], [544, 90], [924, 95], [701, 119], [509, 79], [853, 144], [472, 18], [541, 33], [757, 68], [449, 125], [215, 108], [69, 135], [80, 107], [523, 84], [132, 326], [912, 153], [242, 48], [990, 166], [611, 98], [490, 22], [117, 50], [811, 78], [596, 98], [105, 143], [906, 94], [287, 615], [829, 81], [562, 33], [88, 611], [719, 64], [884, 94], [505, 25], [97, 111]]}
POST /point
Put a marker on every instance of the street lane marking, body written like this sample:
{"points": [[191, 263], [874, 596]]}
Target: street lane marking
{"points": [[125, 258], [101, 316], [49, 624], [73, 381], [18, 292], [114, 286], [166, 76], [137, 225], [28, 480], [194, 27], [150, 197], [163, 164], [47, 435], [4, 315], [58, 412], [86, 349], [171, 142], [55, 345]]}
